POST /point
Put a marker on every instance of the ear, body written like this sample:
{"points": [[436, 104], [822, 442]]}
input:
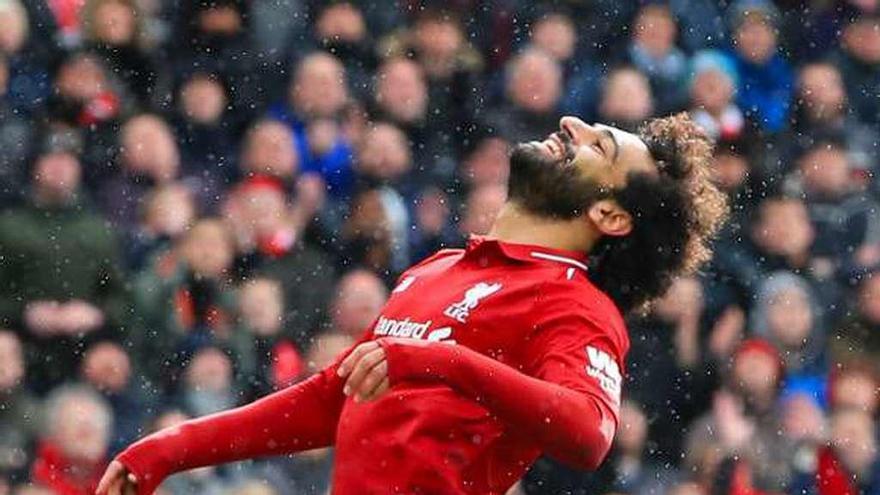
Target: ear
{"points": [[610, 218]]}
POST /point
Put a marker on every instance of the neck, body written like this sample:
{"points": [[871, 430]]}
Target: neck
{"points": [[518, 226]]}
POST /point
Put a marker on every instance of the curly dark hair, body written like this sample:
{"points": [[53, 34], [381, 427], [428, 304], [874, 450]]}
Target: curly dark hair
{"points": [[675, 215]]}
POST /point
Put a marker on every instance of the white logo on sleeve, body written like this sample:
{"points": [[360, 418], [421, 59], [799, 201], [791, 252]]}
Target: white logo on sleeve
{"points": [[605, 371], [462, 309], [404, 284]]}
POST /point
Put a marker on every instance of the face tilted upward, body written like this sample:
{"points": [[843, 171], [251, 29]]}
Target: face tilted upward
{"points": [[574, 167]]}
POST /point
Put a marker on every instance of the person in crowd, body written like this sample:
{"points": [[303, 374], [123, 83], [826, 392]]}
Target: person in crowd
{"points": [[533, 93], [62, 281], [29, 81], [359, 296], [266, 358], [208, 384], [16, 137], [204, 135], [486, 163], [765, 77], [215, 37], [858, 336], [268, 149], [671, 338], [168, 212], [270, 241], [787, 315], [780, 237], [183, 300], [850, 463], [340, 28], [858, 58], [149, 156], [401, 98], [73, 448], [85, 94], [822, 108], [653, 52], [20, 413], [846, 220], [555, 33], [113, 29], [739, 434], [317, 95], [713, 85], [626, 98], [107, 367], [854, 385]]}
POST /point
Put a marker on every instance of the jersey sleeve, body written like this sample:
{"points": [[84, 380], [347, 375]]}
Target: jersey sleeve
{"points": [[580, 349], [301, 417]]}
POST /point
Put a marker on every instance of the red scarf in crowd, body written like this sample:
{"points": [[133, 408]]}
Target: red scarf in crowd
{"points": [[831, 476], [52, 470]]}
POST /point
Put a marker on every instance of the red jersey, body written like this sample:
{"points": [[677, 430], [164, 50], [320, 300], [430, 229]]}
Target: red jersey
{"points": [[496, 353]]}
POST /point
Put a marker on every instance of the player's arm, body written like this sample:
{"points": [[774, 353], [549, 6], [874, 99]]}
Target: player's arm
{"points": [[569, 410], [301, 417]]}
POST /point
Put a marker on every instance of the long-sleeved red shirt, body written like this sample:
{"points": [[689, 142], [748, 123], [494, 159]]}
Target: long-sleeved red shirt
{"points": [[496, 353]]}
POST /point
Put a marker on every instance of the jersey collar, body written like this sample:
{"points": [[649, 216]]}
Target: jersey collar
{"points": [[528, 252]]}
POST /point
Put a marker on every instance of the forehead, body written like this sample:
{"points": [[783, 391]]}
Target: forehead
{"points": [[634, 152]]}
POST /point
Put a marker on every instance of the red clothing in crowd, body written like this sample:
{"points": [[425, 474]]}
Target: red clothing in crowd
{"points": [[496, 353], [57, 473]]}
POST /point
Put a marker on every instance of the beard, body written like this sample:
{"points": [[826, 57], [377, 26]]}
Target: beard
{"points": [[550, 187]]}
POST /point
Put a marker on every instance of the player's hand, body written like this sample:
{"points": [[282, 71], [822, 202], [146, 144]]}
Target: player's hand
{"points": [[117, 481], [367, 372]]}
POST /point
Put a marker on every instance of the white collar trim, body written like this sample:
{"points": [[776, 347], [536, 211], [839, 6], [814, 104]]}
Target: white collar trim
{"points": [[561, 259]]}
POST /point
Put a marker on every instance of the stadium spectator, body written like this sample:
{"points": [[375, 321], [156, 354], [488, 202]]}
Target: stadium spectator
{"points": [[20, 413], [859, 335], [850, 463], [765, 77], [845, 220], [113, 30], [858, 58], [785, 313], [149, 156], [204, 135], [712, 90], [183, 299], [73, 448], [15, 142], [62, 281], [269, 241], [208, 385], [533, 93], [168, 211], [854, 386], [108, 369], [266, 358], [653, 52], [29, 80], [626, 98], [317, 94], [359, 296], [821, 108], [740, 431]]}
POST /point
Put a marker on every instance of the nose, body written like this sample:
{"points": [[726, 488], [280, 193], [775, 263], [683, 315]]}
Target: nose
{"points": [[577, 128]]}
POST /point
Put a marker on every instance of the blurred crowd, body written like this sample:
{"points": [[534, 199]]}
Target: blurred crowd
{"points": [[204, 201]]}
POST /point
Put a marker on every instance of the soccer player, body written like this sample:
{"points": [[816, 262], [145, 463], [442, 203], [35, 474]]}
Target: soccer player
{"points": [[486, 357]]}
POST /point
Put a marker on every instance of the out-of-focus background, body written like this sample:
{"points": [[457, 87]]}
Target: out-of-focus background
{"points": [[204, 201]]}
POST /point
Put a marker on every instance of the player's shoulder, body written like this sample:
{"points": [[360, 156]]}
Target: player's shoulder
{"points": [[438, 261], [579, 297]]}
